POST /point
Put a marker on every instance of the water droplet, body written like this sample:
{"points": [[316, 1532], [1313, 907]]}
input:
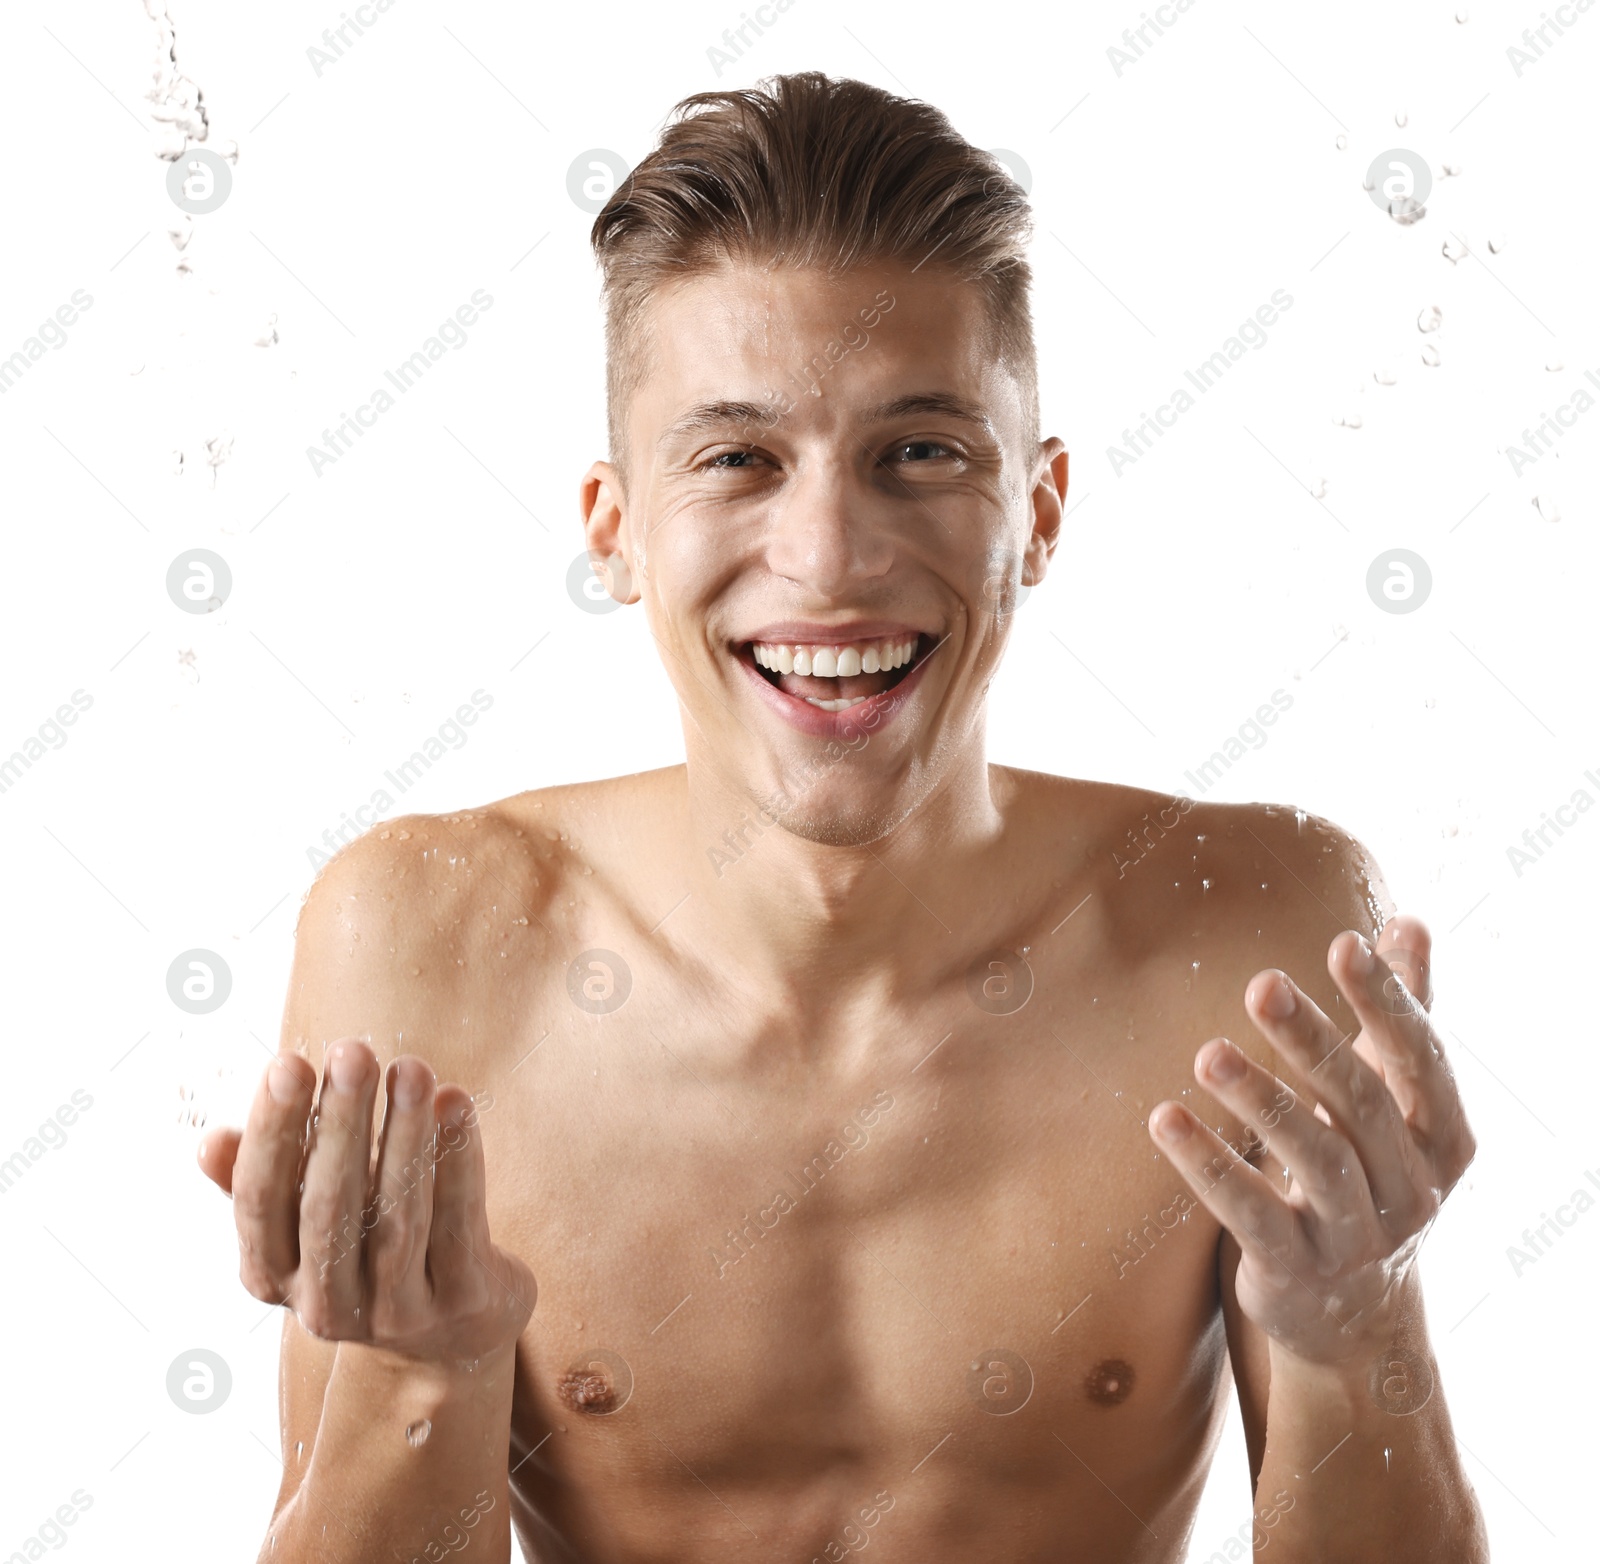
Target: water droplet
{"points": [[1555, 366], [181, 231], [1347, 421], [269, 333], [1341, 141], [299, 1445], [1430, 355], [1450, 170], [1407, 210], [1401, 118], [417, 1433], [1452, 249], [177, 464], [1496, 242], [1386, 1458], [1430, 318], [1461, 15], [1319, 489], [1547, 507]]}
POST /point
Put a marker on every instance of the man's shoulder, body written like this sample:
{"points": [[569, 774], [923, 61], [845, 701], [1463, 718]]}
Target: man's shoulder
{"points": [[407, 874]]}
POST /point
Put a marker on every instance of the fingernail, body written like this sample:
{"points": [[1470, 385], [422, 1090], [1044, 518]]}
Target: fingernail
{"points": [[282, 1086], [406, 1090], [1365, 961], [1173, 1126], [1278, 1001], [345, 1069], [1227, 1064]]}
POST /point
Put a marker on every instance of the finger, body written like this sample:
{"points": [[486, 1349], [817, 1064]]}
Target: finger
{"points": [[337, 1176], [217, 1152], [1323, 1162], [1406, 947], [1358, 1103], [266, 1176], [1241, 1197], [397, 1243], [458, 1241], [1417, 1073]]}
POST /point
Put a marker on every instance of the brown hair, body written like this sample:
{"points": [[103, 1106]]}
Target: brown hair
{"points": [[811, 170]]}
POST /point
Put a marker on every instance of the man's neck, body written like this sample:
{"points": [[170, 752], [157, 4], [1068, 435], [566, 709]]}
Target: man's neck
{"points": [[806, 918]]}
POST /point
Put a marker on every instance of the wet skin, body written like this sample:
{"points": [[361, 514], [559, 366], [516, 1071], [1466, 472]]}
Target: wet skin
{"points": [[818, 1148]]}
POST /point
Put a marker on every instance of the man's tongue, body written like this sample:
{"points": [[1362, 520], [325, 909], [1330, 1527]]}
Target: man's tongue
{"points": [[846, 689]]}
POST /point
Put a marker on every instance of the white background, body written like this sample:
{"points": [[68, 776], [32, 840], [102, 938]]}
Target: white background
{"points": [[368, 603]]}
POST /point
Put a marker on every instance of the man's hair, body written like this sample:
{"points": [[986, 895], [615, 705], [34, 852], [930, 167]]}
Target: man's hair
{"points": [[810, 170]]}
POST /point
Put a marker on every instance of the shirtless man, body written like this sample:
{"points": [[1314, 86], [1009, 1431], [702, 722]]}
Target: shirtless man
{"points": [[845, 1153]]}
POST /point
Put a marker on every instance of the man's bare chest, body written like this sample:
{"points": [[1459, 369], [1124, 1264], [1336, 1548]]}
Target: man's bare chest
{"points": [[797, 1277]]}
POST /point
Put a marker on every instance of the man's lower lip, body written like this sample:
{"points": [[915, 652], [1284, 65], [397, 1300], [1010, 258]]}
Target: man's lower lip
{"points": [[868, 717]]}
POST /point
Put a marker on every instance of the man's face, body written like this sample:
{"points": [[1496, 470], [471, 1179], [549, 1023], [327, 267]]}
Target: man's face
{"points": [[829, 515]]}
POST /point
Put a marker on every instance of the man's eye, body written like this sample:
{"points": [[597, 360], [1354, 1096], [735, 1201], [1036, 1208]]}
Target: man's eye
{"points": [[923, 448], [728, 461]]}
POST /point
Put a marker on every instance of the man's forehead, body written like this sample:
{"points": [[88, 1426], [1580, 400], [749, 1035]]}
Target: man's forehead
{"points": [[733, 343]]}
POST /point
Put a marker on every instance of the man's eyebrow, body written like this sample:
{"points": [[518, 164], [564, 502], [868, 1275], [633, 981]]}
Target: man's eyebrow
{"points": [[718, 414], [946, 403], [715, 415]]}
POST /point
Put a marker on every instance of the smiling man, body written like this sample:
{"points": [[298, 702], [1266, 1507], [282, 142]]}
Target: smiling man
{"points": [[838, 1144]]}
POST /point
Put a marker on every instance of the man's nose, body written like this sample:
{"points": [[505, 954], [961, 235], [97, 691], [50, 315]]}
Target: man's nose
{"points": [[827, 534]]}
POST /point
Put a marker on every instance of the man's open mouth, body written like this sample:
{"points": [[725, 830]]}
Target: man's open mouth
{"points": [[837, 675]]}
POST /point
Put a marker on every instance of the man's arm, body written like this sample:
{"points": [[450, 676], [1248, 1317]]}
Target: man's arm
{"points": [[393, 1445], [1351, 1451]]}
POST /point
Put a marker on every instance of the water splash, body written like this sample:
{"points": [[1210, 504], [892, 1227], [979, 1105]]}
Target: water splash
{"points": [[1407, 210], [178, 104], [1430, 355], [1430, 319], [1547, 507]]}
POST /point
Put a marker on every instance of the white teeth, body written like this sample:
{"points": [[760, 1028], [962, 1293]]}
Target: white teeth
{"points": [[844, 705], [835, 661]]}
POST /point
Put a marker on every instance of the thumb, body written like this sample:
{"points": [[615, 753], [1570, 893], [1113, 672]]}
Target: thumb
{"points": [[218, 1150]]}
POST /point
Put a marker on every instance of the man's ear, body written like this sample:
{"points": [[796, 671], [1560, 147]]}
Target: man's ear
{"points": [[1049, 490], [606, 530]]}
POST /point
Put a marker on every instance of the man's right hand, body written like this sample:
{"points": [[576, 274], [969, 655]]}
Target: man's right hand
{"points": [[394, 1254]]}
